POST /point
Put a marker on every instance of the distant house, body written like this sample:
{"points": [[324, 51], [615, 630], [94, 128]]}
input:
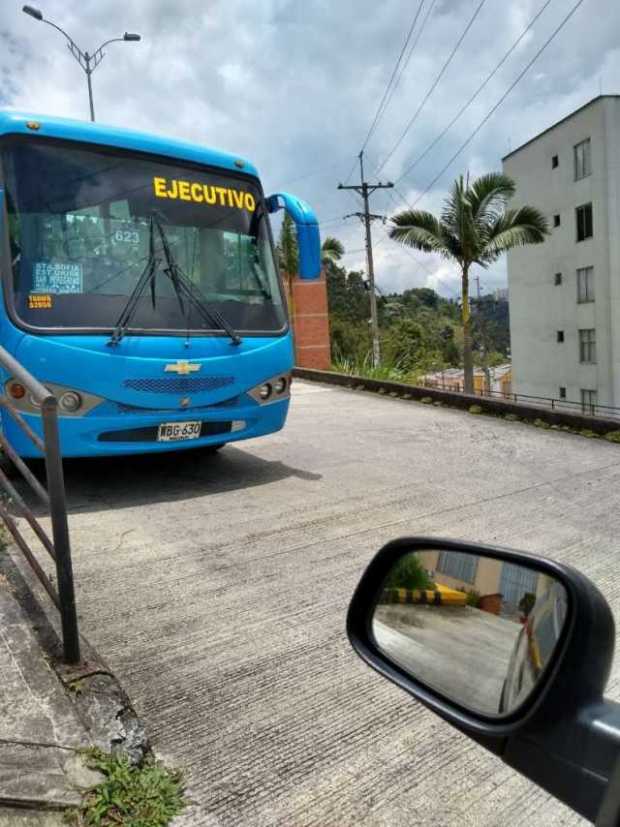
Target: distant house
{"points": [[505, 582], [494, 381]]}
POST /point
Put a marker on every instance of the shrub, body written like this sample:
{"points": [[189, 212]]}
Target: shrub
{"points": [[475, 409], [409, 573], [612, 436]]}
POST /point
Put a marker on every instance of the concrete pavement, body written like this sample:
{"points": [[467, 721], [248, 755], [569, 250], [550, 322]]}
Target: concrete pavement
{"points": [[461, 651], [217, 587], [40, 730]]}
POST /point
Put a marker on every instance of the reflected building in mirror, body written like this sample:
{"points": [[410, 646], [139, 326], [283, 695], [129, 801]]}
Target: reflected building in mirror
{"points": [[489, 584]]}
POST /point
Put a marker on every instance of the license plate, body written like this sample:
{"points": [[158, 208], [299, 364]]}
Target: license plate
{"points": [[174, 431]]}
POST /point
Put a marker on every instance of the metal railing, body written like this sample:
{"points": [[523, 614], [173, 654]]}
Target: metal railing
{"points": [[583, 408], [53, 498]]}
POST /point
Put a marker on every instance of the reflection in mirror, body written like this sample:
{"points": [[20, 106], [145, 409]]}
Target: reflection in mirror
{"points": [[477, 629]]}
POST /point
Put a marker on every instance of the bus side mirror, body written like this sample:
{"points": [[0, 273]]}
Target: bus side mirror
{"points": [[308, 236]]}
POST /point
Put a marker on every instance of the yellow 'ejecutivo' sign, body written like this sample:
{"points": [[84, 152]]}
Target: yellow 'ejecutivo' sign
{"points": [[203, 193]]}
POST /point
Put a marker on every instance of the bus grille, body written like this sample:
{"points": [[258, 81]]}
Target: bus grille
{"points": [[179, 384]]}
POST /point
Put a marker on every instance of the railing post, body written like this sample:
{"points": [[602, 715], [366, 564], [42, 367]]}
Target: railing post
{"points": [[60, 531]]}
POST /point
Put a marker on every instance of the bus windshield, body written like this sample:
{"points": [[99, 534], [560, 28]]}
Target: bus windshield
{"points": [[79, 227]]}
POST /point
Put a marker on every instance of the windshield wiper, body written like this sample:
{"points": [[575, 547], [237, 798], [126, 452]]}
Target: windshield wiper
{"points": [[147, 276], [184, 285]]}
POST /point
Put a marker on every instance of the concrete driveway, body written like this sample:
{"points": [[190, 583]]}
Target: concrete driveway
{"points": [[461, 651], [217, 589]]}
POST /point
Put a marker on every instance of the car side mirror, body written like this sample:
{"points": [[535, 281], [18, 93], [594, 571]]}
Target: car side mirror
{"points": [[512, 649], [307, 228]]}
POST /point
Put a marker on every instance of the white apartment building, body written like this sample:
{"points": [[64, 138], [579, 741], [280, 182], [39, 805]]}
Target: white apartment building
{"points": [[565, 293]]}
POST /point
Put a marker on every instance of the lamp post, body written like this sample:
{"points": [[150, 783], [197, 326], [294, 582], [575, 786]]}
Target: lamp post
{"points": [[88, 62]]}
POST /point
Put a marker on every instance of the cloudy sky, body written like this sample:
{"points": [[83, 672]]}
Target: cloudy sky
{"points": [[295, 84]]}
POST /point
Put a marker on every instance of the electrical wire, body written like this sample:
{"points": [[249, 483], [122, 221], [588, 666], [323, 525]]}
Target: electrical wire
{"points": [[383, 103], [466, 105], [521, 74], [433, 87]]}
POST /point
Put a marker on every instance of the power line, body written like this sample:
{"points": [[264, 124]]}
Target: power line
{"points": [[411, 51], [404, 67], [433, 86], [499, 102], [383, 105], [466, 105]]}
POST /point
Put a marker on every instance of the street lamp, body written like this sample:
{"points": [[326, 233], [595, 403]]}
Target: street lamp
{"points": [[88, 62]]}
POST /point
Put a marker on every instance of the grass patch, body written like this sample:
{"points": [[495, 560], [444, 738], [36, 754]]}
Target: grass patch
{"points": [[5, 537], [146, 796], [475, 409], [612, 436]]}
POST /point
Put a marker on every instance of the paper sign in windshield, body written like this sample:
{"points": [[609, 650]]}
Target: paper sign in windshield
{"points": [[57, 277], [39, 301]]}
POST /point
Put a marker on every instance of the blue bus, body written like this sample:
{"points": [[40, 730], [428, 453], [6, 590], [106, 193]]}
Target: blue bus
{"points": [[140, 285]]}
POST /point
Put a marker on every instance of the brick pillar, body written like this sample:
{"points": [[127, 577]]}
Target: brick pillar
{"points": [[310, 322]]}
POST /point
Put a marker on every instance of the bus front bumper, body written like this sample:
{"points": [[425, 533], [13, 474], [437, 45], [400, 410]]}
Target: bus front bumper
{"points": [[114, 434]]}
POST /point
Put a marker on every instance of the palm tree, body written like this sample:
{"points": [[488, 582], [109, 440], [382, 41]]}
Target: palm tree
{"points": [[475, 227], [332, 250]]}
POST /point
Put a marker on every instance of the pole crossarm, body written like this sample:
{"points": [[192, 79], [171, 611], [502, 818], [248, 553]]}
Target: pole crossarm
{"points": [[372, 215]]}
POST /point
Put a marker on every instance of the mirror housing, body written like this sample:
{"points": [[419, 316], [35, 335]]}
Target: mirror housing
{"points": [[307, 227], [565, 736]]}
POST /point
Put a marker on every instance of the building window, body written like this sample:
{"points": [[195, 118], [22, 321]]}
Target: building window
{"points": [[556, 220], [554, 161], [583, 160], [562, 392], [587, 346], [560, 335], [458, 565], [588, 401], [584, 221], [585, 284], [558, 279]]}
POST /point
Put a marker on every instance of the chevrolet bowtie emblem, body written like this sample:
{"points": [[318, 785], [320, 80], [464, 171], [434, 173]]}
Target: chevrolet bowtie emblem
{"points": [[182, 367]]}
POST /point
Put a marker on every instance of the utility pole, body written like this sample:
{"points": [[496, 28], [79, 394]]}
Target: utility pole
{"points": [[365, 190], [483, 335]]}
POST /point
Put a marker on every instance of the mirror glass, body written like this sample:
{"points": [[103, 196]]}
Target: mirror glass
{"points": [[477, 629]]}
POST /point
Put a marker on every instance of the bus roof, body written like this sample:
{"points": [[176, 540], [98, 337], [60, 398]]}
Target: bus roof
{"points": [[12, 122]]}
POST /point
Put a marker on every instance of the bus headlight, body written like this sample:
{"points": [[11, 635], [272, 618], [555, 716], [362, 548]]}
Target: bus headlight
{"points": [[70, 401], [274, 389]]}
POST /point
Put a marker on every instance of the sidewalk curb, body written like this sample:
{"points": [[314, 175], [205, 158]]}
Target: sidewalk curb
{"points": [[497, 407]]}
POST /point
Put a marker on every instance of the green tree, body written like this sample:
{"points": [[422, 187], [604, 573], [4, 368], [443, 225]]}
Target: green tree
{"points": [[475, 227], [332, 250], [288, 252]]}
